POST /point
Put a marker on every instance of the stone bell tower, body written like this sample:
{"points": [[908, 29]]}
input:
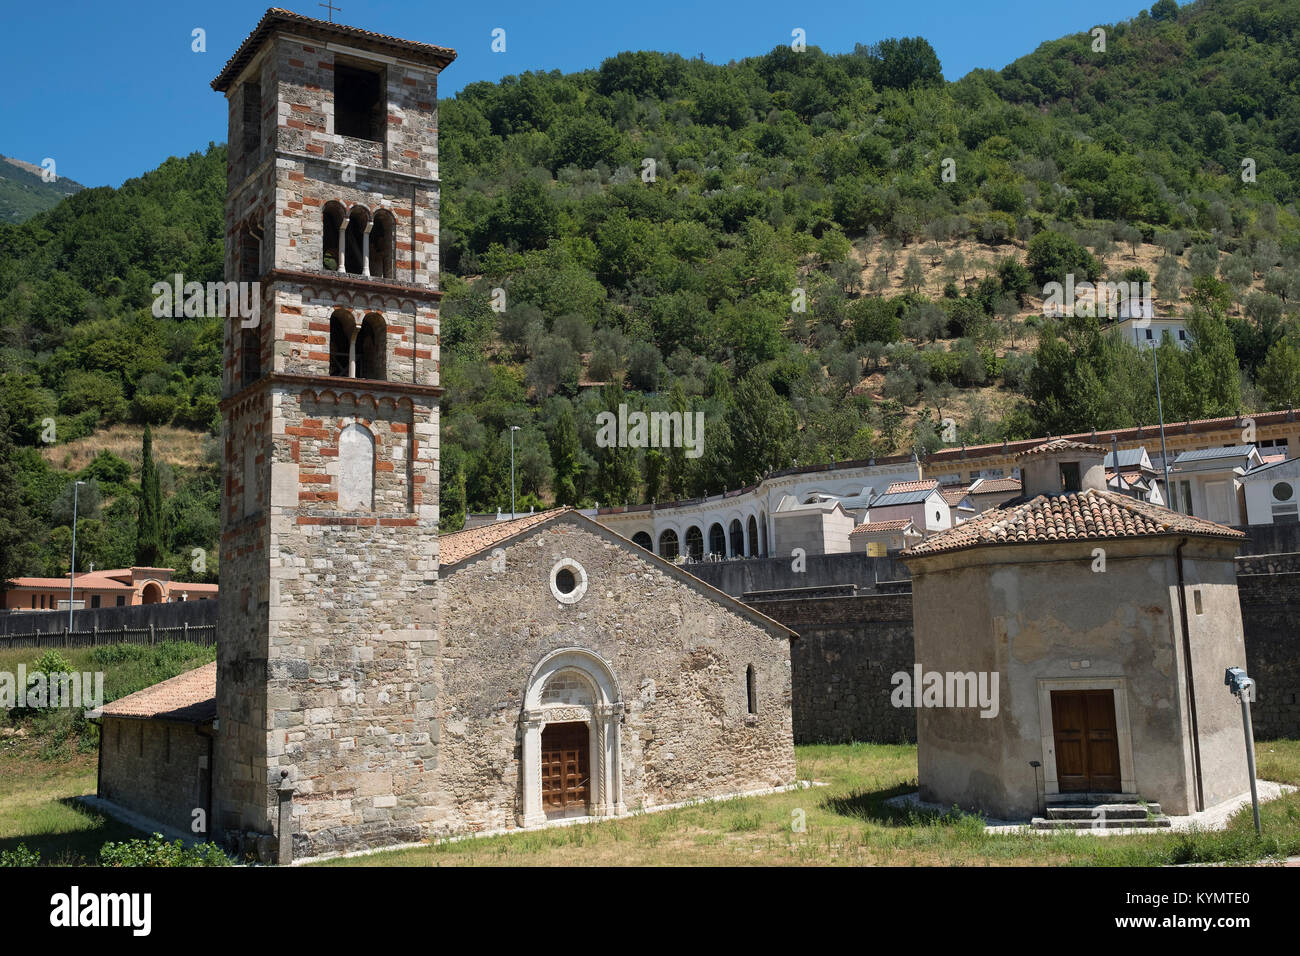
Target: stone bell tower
{"points": [[328, 616]]}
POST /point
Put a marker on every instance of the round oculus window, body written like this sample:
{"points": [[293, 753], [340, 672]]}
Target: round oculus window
{"points": [[1283, 491], [568, 581]]}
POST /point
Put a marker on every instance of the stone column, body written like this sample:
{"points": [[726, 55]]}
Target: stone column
{"points": [[352, 352], [365, 248], [530, 772], [609, 718], [599, 782], [284, 830], [343, 244]]}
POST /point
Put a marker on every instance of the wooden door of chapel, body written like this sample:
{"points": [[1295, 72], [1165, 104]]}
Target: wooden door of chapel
{"points": [[1087, 746]]}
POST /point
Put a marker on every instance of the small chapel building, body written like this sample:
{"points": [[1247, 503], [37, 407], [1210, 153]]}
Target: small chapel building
{"points": [[1106, 623]]}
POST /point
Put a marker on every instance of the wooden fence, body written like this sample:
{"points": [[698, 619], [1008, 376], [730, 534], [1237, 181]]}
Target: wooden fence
{"points": [[204, 634]]}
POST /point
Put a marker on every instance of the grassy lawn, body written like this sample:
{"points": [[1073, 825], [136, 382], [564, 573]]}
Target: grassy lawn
{"points": [[35, 809], [45, 759], [848, 823]]}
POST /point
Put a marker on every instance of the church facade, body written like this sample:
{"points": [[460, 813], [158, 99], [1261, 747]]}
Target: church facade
{"points": [[571, 674], [613, 682]]}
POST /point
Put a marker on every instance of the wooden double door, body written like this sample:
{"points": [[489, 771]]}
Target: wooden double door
{"points": [[566, 769], [1087, 747]]}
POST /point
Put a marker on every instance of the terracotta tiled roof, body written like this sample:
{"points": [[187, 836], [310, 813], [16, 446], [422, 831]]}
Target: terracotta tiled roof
{"points": [[1130, 477], [996, 485], [314, 28], [954, 496], [900, 487], [1081, 516], [190, 697], [95, 581], [896, 524], [459, 545], [1062, 444], [1196, 426]]}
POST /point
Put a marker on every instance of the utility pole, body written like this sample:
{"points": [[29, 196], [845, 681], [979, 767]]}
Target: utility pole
{"points": [[513, 429], [1160, 410], [72, 568], [1114, 457]]}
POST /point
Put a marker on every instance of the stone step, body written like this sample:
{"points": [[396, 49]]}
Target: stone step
{"points": [[1110, 823], [1090, 799], [1111, 811]]}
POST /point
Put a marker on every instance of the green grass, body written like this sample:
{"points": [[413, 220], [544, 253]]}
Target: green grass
{"points": [[846, 822], [36, 809], [849, 823]]}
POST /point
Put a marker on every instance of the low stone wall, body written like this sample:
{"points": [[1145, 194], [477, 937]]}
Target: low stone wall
{"points": [[1271, 539], [1270, 610], [848, 649], [1268, 563], [818, 570]]}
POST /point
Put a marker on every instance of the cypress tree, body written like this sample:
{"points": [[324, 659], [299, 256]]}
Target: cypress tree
{"points": [[148, 540], [18, 529]]}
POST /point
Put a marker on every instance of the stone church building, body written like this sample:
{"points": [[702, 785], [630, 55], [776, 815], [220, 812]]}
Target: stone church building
{"points": [[389, 684]]}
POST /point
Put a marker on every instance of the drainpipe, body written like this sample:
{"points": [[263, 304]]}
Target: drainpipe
{"points": [[1191, 681], [99, 759]]}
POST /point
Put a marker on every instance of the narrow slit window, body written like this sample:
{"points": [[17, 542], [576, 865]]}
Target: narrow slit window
{"points": [[751, 689], [252, 120]]}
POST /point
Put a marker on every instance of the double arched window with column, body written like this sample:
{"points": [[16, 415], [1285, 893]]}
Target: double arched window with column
{"points": [[358, 351], [357, 243]]}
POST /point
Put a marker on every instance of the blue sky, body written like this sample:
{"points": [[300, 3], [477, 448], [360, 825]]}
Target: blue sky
{"points": [[111, 89]]}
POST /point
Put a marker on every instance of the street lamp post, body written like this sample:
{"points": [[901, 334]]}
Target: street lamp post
{"points": [[72, 568], [513, 429]]}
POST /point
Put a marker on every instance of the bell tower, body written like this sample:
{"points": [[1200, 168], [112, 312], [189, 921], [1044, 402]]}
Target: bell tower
{"points": [[329, 592]]}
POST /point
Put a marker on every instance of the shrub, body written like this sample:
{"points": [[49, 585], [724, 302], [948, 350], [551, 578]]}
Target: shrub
{"points": [[1053, 255], [156, 851], [20, 856], [51, 662], [900, 386]]}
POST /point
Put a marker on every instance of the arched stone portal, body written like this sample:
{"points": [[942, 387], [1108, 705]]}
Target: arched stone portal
{"points": [[568, 686]]}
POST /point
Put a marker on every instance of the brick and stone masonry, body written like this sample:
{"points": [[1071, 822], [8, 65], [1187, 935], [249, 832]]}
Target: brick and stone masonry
{"points": [[330, 501]]}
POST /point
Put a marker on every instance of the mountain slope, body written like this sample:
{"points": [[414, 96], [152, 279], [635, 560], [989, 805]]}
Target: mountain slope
{"points": [[827, 256], [23, 191]]}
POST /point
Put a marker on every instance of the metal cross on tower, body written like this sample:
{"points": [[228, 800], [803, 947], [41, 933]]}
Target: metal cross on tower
{"points": [[329, 5]]}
